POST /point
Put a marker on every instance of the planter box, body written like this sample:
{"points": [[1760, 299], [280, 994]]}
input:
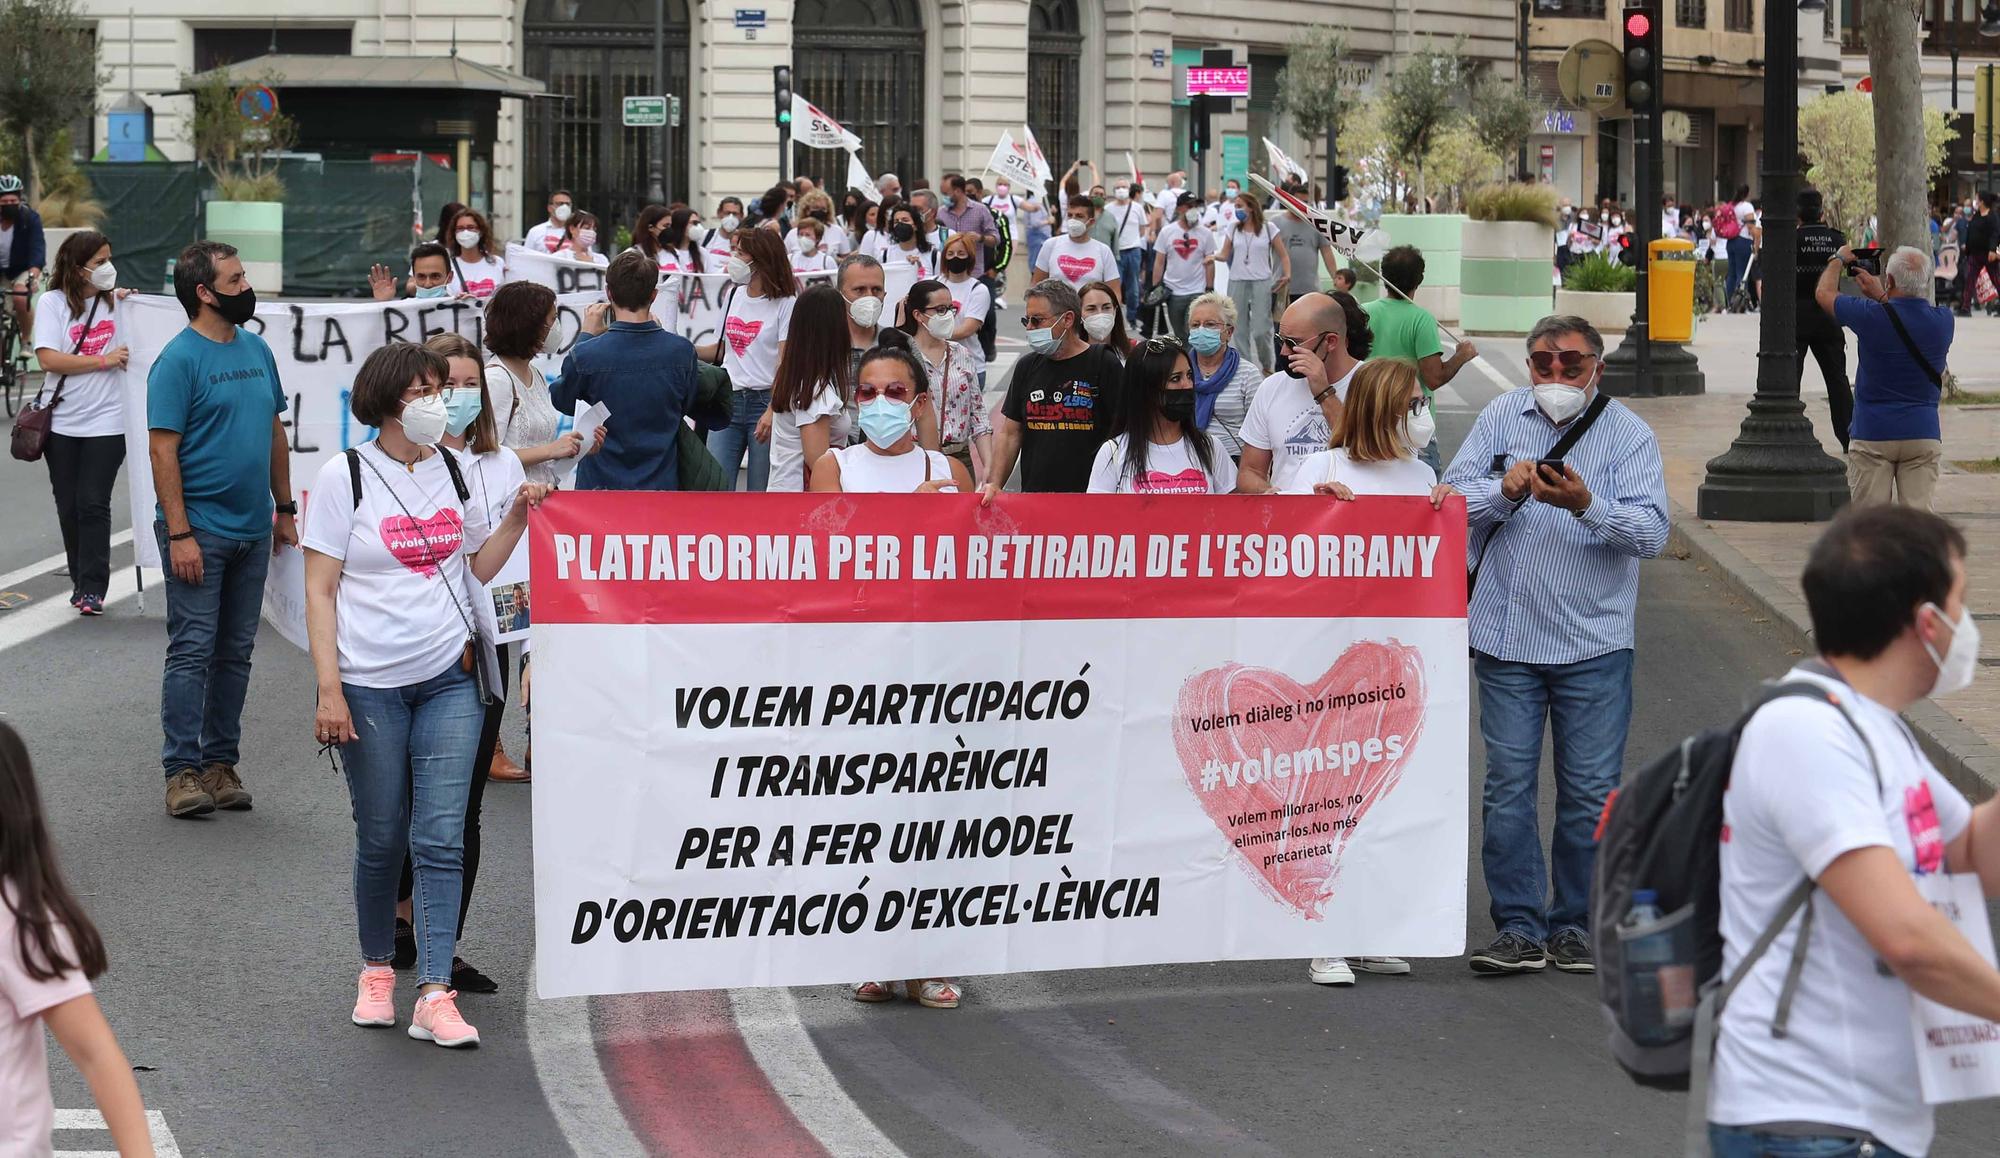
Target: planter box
{"points": [[1439, 236], [1610, 313], [1506, 270], [257, 230]]}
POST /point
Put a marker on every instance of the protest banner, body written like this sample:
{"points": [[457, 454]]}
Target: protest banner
{"points": [[318, 346], [1011, 161], [802, 739], [558, 271], [815, 129], [1034, 150], [1282, 165], [859, 180]]}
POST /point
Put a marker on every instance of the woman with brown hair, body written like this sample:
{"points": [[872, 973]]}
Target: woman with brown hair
{"points": [[477, 270], [1103, 322], [810, 394], [756, 318], [1383, 424], [1256, 263], [521, 325], [79, 340]]}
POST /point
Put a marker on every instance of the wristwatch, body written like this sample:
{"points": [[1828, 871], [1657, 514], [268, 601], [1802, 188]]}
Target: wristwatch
{"points": [[288, 509]]}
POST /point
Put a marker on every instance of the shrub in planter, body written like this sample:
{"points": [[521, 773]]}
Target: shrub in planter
{"points": [[1505, 256], [1596, 275], [1514, 201]]}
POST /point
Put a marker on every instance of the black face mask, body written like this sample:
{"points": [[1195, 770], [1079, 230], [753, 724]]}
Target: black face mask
{"points": [[1177, 405], [10, 213], [902, 231], [958, 264], [235, 309]]}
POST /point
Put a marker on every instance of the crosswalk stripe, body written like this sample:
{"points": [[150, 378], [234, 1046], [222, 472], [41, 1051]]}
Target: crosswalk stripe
{"points": [[164, 1145]]}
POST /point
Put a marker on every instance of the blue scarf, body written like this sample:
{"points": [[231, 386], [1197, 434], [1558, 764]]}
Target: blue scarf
{"points": [[1206, 389]]}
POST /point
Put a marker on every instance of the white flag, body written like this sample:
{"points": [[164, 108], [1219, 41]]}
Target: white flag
{"points": [[1034, 151], [1282, 164], [859, 180], [1013, 162], [814, 129]]}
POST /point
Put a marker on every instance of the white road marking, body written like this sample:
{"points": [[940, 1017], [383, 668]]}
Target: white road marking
{"points": [[565, 1055], [39, 618], [774, 1029], [1450, 399], [49, 564], [1498, 379], [164, 1145]]}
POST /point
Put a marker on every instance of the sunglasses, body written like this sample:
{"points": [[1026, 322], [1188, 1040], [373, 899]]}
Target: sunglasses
{"points": [[1573, 362], [1162, 346], [894, 391], [1288, 344]]}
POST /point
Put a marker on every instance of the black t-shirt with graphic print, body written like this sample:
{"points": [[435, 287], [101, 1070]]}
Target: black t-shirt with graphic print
{"points": [[1066, 410]]}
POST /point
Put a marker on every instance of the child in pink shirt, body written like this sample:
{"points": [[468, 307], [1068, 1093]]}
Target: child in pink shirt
{"points": [[49, 951]]}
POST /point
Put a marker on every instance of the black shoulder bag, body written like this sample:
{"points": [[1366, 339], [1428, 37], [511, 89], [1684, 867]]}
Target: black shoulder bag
{"points": [[1910, 344], [34, 424], [1562, 447]]}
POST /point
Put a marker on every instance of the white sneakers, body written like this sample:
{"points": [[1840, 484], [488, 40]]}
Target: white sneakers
{"points": [[1340, 970]]}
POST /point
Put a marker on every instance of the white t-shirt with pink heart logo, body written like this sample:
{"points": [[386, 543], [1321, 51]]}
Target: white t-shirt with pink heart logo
{"points": [[482, 278], [1187, 272], [1077, 262], [401, 569], [1172, 469], [751, 334], [93, 404]]}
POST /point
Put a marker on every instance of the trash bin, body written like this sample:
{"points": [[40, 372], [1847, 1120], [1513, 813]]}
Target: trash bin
{"points": [[1670, 290]]}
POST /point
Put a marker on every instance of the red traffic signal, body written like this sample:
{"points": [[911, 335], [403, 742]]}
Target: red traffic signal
{"points": [[1638, 25]]}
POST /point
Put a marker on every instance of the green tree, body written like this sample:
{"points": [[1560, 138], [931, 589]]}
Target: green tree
{"points": [[52, 78], [1309, 88], [1420, 101], [1503, 116], [241, 155], [1459, 158], [1837, 136]]}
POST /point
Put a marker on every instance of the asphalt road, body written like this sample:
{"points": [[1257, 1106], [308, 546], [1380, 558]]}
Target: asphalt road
{"points": [[233, 950]]}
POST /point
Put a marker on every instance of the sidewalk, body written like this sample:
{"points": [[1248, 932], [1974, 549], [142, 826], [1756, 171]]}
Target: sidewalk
{"points": [[1762, 561]]}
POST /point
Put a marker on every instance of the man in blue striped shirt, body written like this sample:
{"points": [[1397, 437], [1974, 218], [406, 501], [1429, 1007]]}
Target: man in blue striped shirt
{"points": [[1556, 552]]}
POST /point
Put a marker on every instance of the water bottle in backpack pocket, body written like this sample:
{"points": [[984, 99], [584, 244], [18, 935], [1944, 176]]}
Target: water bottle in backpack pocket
{"points": [[1657, 960]]}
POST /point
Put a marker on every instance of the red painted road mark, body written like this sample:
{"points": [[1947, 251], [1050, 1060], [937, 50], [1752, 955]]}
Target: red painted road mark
{"points": [[687, 1083]]}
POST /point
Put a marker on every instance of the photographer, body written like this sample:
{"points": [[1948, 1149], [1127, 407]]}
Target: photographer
{"points": [[1903, 340]]}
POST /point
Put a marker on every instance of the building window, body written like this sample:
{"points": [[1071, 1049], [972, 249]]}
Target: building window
{"points": [[1739, 16], [863, 62], [1691, 13], [1055, 51], [214, 47], [592, 54]]}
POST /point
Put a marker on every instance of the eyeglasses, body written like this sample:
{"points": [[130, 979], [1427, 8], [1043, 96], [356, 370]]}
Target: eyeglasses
{"points": [[421, 390], [1418, 405], [1162, 346], [894, 391], [1574, 363], [1037, 321]]}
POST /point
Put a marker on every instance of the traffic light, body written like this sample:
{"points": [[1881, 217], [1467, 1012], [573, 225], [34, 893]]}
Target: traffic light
{"points": [[1339, 183], [1197, 125], [781, 93], [1642, 57], [1625, 254]]}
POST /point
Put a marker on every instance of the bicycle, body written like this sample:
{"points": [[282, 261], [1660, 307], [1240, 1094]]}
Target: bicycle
{"points": [[13, 370]]}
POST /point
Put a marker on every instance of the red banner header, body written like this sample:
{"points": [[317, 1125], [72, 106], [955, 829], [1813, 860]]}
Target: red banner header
{"points": [[654, 557]]}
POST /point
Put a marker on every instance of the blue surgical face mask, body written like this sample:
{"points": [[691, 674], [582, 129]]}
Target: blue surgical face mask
{"points": [[885, 420], [461, 407], [1044, 341], [1242, 215], [433, 291], [1205, 339]]}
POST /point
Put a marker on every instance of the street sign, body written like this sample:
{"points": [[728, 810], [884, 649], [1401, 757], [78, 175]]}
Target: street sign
{"points": [[747, 18], [1592, 74], [1159, 58], [257, 104], [1233, 81], [674, 112], [645, 112]]}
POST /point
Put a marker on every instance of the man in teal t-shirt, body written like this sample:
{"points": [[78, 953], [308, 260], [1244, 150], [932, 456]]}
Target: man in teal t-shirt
{"points": [[220, 461], [1403, 330]]}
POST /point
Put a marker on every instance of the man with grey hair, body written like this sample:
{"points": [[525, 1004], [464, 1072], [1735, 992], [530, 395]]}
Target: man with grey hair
{"points": [[889, 185], [1061, 401], [1902, 340], [1564, 495]]}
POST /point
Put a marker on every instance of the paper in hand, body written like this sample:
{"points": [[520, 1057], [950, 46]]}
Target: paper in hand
{"points": [[587, 424]]}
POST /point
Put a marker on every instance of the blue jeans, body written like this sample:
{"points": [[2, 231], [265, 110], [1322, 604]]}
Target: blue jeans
{"points": [[1131, 263], [211, 627], [729, 443], [1740, 248], [1750, 1142], [409, 775], [1587, 706]]}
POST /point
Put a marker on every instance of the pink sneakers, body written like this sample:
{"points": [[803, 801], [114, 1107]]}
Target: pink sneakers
{"points": [[436, 1019], [375, 1004]]}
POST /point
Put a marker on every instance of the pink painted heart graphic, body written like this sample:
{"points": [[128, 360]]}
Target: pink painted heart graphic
{"points": [[98, 340], [1076, 269], [480, 289], [741, 332], [1187, 246], [1188, 482], [421, 544], [1286, 782]]}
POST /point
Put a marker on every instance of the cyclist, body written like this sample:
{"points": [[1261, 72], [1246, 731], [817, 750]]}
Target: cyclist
{"points": [[23, 250]]}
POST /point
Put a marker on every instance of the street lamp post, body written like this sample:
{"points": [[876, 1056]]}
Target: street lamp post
{"points": [[656, 178], [1775, 471]]}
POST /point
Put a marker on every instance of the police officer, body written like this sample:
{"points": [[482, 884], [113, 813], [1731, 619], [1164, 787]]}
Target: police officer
{"points": [[1817, 331]]}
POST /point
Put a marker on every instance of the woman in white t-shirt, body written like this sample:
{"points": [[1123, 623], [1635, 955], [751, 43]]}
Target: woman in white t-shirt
{"points": [[521, 325], [756, 318], [909, 244], [969, 297], [891, 385], [80, 343], [393, 572], [581, 241], [477, 270], [954, 396], [1225, 382], [1384, 424], [808, 247], [1162, 451], [809, 396], [1256, 263]]}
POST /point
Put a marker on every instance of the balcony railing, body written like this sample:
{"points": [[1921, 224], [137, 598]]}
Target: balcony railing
{"points": [[1952, 25]]}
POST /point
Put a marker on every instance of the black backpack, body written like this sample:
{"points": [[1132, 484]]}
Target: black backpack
{"points": [[1662, 831]]}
